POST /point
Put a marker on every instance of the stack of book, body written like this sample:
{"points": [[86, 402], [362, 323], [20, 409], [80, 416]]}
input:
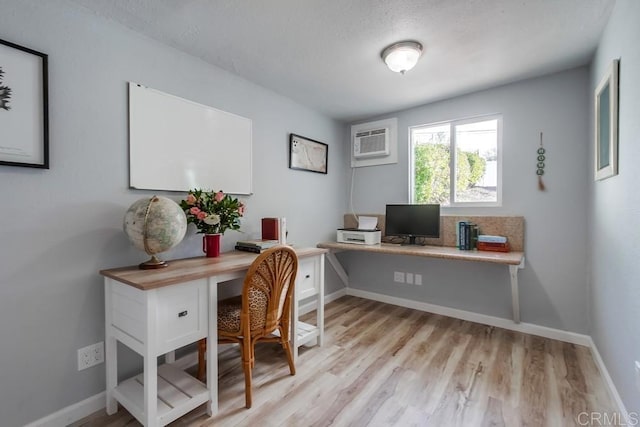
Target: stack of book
{"points": [[256, 246], [467, 235], [493, 243]]}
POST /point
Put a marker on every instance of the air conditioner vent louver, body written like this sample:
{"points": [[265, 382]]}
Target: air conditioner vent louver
{"points": [[371, 143]]}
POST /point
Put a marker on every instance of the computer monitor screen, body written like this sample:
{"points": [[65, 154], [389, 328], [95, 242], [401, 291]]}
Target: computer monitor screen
{"points": [[413, 221]]}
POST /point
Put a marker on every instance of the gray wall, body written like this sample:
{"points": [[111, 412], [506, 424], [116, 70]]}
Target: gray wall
{"points": [[58, 227], [614, 225], [553, 284]]}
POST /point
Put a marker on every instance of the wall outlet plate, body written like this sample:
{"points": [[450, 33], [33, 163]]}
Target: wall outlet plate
{"points": [[90, 355]]}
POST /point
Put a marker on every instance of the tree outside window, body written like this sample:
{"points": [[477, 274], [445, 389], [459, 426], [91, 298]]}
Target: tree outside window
{"points": [[471, 176]]}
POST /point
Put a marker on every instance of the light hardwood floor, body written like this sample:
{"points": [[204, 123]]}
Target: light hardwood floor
{"points": [[384, 365]]}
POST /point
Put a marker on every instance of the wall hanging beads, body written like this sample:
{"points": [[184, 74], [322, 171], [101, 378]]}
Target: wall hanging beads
{"points": [[540, 170]]}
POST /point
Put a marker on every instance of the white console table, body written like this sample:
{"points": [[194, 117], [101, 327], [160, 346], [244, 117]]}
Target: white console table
{"points": [[154, 312], [513, 260]]}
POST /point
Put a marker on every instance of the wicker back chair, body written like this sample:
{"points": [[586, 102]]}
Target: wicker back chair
{"points": [[263, 308]]}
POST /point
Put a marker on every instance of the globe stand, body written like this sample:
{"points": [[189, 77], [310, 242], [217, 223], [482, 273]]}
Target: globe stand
{"points": [[153, 263]]}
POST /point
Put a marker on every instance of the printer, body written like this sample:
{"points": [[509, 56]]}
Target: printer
{"points": [[367, 232]]}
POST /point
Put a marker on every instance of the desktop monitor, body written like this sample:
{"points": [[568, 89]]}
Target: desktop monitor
{"points": [[413, 221]]}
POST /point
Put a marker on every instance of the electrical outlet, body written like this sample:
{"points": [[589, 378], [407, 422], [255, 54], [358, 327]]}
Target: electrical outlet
{"points": [[417, 279], [90, 355], [398, 276], [410, 278], [637, 365]]}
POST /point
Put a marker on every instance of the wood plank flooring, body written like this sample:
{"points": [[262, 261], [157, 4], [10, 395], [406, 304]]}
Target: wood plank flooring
{"points": [[384, 365]]}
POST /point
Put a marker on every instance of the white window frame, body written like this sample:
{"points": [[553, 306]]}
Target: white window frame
{"points": [[452, 166]]}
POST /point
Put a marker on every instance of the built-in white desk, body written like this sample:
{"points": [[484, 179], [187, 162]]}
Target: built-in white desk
{"points": [[155, 312], [513, 260]]}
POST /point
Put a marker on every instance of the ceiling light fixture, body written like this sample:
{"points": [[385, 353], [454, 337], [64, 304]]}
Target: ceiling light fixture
{"points": [[402, 56]]}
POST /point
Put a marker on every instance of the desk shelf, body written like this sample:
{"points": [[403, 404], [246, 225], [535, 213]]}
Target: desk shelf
{"points": [[178, 393], [306, 333]]}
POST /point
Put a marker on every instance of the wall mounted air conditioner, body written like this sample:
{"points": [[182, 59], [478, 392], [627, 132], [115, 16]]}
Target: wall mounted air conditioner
{"points": [[371, 143]]}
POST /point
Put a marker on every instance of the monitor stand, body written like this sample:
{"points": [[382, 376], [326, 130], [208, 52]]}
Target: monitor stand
{"points": [[412, 241]]}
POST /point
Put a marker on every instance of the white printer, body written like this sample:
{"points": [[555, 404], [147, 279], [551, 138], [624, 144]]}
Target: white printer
{"points": [[359, 237]]}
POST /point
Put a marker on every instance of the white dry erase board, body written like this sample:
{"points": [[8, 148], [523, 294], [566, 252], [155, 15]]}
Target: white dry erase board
{"points": [[177, 145]]}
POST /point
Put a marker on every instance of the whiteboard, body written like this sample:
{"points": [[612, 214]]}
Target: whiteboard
{"points": [[177, 145]]}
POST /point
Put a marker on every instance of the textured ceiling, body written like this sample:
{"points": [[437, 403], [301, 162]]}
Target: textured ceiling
{"points": [[326, 53]]}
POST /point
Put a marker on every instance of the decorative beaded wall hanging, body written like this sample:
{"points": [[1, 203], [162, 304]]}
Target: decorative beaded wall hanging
{"points": [[541, 159]]}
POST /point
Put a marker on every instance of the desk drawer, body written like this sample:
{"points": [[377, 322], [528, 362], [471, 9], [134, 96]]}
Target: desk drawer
{"points": [[307, 281], [181, 314]]}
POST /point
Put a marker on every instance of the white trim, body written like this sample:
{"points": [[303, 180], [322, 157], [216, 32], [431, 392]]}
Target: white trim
{"points": [[611, 387], [527, 328], [310, 306], [72, 413]]}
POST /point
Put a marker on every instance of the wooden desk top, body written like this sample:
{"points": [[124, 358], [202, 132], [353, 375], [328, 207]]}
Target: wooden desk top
{"points": [[183, 270], [447, 252]]}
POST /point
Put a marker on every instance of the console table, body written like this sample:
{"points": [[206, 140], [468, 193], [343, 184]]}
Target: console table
{"points": [[513, 260], [155, 312]]}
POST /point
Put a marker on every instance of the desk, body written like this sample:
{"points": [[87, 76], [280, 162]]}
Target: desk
{"points": [[513, 260], [154, 312]]}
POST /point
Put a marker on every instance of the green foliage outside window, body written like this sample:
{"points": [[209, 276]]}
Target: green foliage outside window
{"points": [[432, 171]]}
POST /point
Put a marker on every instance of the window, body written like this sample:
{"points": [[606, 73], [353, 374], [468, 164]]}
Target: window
{"points": [[470, 176]]}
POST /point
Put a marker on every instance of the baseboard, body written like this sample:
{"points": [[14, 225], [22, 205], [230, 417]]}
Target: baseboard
{"points": [[72, 413], [611, 387], [528, 328], [310, 306]]}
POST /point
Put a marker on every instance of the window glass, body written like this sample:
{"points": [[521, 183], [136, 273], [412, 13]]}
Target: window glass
{"points": [[471, 176]]}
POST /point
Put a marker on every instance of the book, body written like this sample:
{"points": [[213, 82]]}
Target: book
{"points": [[494, 247], [492, 239], [257, 243], [270, 228], [467, 235], [254, 249]]}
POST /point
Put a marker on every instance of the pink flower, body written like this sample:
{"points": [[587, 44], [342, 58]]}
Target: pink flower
{"points": [[194, 210], [241, 209], [191, 199], [219, 196], [201, 215]]}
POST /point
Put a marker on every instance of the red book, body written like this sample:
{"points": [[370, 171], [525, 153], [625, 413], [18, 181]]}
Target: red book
{"points": [[270, 229], [494, 247]]}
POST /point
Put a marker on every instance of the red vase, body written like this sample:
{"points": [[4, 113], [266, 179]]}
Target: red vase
{"points": [[211, 245]]}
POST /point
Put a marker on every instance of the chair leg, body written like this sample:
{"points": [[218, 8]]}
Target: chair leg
{"points": [[202, 365], [287, 349], [247, 364]]}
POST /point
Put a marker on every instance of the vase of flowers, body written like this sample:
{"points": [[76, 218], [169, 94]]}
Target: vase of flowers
{"points": [[213, 213]]}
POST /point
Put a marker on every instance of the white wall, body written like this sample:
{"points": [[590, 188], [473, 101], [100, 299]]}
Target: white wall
{"points": [[58, 227], [614, 226], [553, 289]]}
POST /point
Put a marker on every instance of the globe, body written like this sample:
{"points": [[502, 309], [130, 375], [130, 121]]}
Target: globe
{"points": [[155, 225]]}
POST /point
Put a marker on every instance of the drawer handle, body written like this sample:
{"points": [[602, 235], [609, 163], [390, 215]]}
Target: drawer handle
{"points": [[183, 313]]}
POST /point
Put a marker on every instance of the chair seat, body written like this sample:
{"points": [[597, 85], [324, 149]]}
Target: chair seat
{"points": [[229, 312]]}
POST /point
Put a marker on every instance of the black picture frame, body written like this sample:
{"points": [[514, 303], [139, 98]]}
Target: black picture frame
{"points": [[308, 154], [24, 109]]}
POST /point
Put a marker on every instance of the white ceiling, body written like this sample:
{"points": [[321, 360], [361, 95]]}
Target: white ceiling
{"points": [[326, 53]]}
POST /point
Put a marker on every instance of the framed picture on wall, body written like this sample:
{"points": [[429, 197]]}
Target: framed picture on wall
{"points": [[307, 154], [24, 117], [606, 124]]}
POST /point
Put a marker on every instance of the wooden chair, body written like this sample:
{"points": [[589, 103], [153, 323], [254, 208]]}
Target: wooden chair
{"points": [[263, 308]]}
